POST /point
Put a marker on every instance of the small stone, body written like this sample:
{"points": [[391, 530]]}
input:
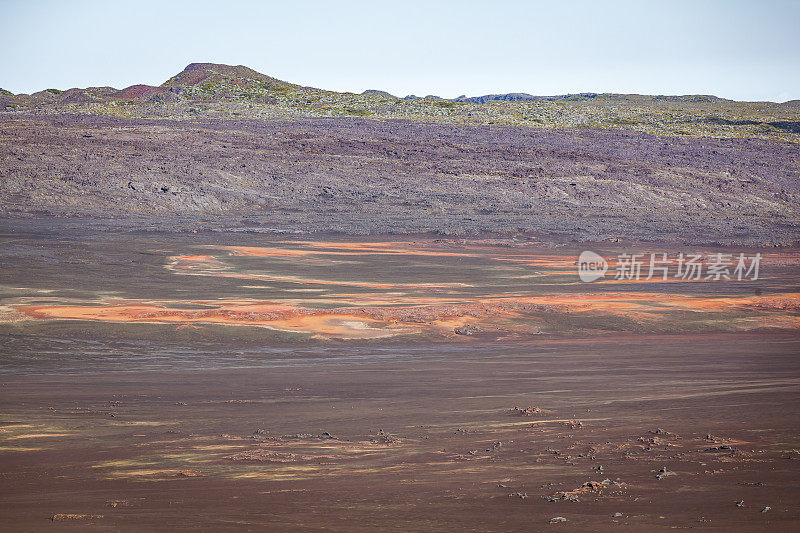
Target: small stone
{"points": [[618, 515], [557, 519], [740, 503], [466, 329], [765, 509]]}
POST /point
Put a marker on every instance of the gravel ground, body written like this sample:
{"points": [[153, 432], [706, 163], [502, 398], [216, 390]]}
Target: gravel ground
{"points": [[363, 176]]}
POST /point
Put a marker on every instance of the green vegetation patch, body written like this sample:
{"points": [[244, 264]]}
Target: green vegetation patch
{"points": [[356, 111]]}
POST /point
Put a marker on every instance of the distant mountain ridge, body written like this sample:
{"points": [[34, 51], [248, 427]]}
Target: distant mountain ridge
{"points": [[199, 75], [574, 97], [195, 75]]}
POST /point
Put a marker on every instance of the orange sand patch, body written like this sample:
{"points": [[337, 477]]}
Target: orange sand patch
{"points": [[382, 321], [264, 252], [550, 264], [215, 267], [621, 302], [337, 323]]}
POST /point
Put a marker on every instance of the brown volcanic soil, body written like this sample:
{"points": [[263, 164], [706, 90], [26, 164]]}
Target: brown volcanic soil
{"points": [[432, 444], [366, 176], [186, 411]]}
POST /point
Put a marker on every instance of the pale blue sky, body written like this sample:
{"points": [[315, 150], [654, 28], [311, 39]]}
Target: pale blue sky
{"points": [[747, 50]]}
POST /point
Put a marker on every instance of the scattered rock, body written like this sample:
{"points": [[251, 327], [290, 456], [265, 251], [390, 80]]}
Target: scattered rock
{"points": [[466, 329], [617, 515], [589, 487], [765, 509], [382, 438], [664, 473], [740, 503], [721, 448], [323, 435], [528, 411], [557, 519], [565, 496]]}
